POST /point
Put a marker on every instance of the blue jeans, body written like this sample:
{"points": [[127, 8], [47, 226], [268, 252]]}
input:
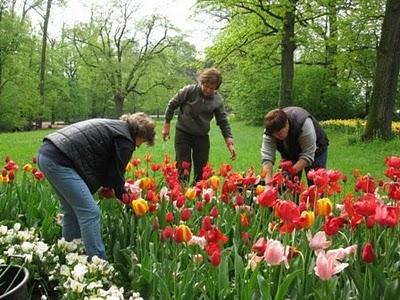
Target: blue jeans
{"points": [[81, 212], [319, 162]]}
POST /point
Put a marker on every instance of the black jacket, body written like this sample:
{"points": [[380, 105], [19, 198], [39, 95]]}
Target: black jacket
{"points": [[99, 150], [296, 117]]}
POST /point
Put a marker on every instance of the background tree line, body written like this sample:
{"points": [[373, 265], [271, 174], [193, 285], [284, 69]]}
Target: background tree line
{"points": [[336, 58]]}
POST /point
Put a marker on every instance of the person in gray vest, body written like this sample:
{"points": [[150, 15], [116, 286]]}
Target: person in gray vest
{"points": [[298, 136], [198, 104], [79, 159]]}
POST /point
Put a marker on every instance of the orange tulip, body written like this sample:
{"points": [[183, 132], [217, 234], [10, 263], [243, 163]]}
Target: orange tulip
{"points": [[259, 189], [308, 218], [190, 193], [182, 234], [323, 207], [214, 182], [140, 207]]}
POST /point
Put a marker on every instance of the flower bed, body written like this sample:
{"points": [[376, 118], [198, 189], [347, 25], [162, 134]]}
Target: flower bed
{"points": [[230, 236]]}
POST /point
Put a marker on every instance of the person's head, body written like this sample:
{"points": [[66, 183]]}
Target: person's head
{"points": [[143, 126], [276, 124], [210, 81]]}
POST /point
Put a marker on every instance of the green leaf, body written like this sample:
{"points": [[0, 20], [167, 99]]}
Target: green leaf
{"points": [[392, 290], [284, 286], [264, 287]]}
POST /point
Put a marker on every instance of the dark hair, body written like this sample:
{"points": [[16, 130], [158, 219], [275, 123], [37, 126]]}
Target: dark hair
{"points": [[142, 124], [211, 76], [275, 120]]}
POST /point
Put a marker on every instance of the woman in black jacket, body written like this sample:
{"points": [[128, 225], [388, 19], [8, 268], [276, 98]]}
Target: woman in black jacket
{"points": [[79, 159]]}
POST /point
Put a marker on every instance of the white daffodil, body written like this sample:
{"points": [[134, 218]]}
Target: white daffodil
{"points": [[27, 247], [79, 272], [3, 230], [65, 271]]}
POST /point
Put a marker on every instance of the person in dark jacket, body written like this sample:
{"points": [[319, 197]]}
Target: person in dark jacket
{"points": [[197, 104], [298, 136], [79, 159]]}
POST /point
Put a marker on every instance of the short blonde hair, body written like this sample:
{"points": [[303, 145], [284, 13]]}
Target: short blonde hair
{"points": [[211, 76], [142, 124]]}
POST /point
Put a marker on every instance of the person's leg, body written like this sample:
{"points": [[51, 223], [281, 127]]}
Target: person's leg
{"points": [[183, 152], [70, 224], [319, 162], [201, 152], [74, 191]]}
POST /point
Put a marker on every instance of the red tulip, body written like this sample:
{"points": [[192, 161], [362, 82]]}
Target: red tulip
{"points": [[368, 254], [215, 258]]}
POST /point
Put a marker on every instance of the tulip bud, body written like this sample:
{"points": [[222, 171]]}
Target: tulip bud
{"points": [[140, 206], [368, 254]]}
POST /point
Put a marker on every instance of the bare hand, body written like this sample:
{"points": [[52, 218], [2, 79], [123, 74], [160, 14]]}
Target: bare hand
{"points": [[165, 131]]}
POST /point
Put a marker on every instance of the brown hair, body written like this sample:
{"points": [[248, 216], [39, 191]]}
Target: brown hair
{"points": [[211, 76], [274, 121], [142, 124]]}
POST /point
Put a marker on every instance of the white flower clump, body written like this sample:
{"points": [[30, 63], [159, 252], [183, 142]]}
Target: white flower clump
{"points": [[65, 264], [24, 244]]}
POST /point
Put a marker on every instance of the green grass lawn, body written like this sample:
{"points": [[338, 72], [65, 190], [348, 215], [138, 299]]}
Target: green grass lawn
{"points": [[345, 152]]}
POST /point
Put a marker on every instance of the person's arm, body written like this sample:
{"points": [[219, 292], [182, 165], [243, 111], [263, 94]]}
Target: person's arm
{"points": [[172, 105], [268, 149], [308, 144], [116, 176], [223, 123]]}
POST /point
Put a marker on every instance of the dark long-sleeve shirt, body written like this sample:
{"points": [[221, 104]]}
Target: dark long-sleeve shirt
{"points": [[196, 111]]}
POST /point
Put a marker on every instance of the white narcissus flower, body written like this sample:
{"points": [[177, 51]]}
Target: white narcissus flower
{"points": [[79, 272], [65, 271], [27, 247], [76, 286], [41, 249], [71, 258], [17, 227], [28, 258], [94, 285], [3, 230], [10, 251], [24, 235]]}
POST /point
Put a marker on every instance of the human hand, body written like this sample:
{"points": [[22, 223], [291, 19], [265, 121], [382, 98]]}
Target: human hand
{"points": [[165, 131], [231, 147], [106, 192], [232, 150]]}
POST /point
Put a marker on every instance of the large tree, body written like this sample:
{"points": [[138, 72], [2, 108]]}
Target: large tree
{"points": [[275, 19], [121, 48], [380, 114]]}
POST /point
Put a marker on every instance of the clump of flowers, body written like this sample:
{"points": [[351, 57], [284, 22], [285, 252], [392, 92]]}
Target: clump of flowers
{"points": [[74, 274]]}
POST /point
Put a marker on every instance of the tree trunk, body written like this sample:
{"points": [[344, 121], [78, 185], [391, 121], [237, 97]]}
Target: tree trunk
{"points": [[287, 55], [380, 115], [119, 99], [331, 45], [43, 62]]}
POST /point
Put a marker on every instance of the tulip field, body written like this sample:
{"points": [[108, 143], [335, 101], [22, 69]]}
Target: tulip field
{"points": [[231, 236]]}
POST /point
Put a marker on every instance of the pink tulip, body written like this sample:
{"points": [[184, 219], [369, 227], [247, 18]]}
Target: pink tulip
{"points": [[326, 266], [342, 253], [318, 242], [275, 253]]}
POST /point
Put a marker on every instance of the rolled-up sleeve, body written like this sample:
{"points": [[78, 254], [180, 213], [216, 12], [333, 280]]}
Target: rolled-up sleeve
{"points": [[308, 142], [268, 149]]}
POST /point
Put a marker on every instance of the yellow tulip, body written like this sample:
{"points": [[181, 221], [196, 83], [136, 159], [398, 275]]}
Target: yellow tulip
{"points": [[140, 207]]}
